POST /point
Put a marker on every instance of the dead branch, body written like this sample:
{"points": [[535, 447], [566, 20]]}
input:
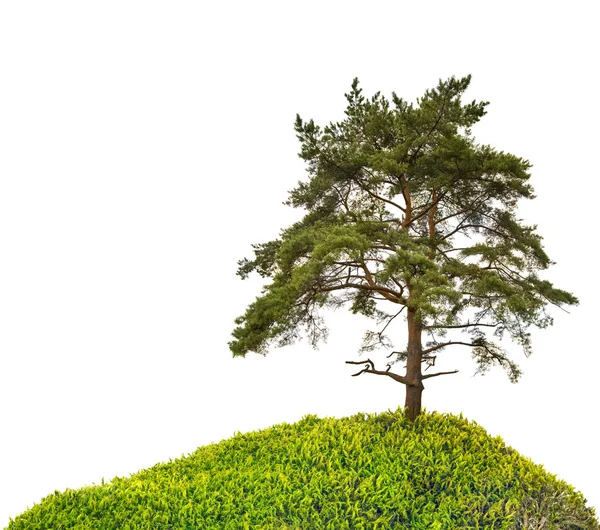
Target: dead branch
{"points": [[370, 369]]}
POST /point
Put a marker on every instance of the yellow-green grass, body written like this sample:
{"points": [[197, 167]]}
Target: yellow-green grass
{"points": [[361, 472]]}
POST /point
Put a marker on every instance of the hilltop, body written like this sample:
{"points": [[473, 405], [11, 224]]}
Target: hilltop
{"points": [[365, 471]]}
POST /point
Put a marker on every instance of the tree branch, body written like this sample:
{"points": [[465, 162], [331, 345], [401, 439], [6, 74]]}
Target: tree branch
{"points": [[406, 194], [428, 376], [370, 369], [389, 294], [463, 227], [375, 196], [479, 201], [444, 344], [462, 326], [390, 320], [428, 207]]}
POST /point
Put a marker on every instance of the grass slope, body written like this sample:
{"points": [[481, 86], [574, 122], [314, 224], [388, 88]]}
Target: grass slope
{"points": [[362, 472]]}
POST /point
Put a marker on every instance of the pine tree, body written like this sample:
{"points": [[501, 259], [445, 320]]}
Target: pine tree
{"points": [[405, 213]]}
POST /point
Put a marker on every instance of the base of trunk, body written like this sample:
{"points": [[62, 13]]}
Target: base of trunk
{"points": [[412, 405]]}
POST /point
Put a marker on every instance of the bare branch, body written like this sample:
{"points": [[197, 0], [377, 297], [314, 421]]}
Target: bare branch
{"points": [[390, 320], [395, 353], [428, 376], [368, 364], [370, 369]]}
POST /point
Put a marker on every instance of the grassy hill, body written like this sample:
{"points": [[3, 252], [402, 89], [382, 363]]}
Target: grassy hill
{"points": [[362, 472]]}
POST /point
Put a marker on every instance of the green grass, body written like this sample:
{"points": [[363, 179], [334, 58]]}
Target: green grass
{"points": [[361, 472]]}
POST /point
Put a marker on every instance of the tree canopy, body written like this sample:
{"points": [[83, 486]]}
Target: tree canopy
{"points": [[405, 213]]}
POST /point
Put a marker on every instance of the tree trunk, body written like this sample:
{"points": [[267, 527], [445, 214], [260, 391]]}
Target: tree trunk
{"points": [[414, 390], [412, 405]]}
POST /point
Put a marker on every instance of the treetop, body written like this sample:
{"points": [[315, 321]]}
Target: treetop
{"points": [[404, 211]]}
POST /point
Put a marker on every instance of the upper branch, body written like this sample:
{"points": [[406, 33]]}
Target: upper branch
{"points": [[391, 295], [406, 194], [444, 344], [458, 326], [378, 197]]}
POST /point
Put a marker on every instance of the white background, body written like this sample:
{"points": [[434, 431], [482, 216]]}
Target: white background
{"points": [[145, 145]]}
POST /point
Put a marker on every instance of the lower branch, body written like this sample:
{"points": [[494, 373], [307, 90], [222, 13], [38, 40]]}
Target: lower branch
{"points": [[369, 368], [439, 373]]}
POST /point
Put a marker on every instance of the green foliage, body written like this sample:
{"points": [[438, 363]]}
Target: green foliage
{"points": [[404, 209], [363, 472]]}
